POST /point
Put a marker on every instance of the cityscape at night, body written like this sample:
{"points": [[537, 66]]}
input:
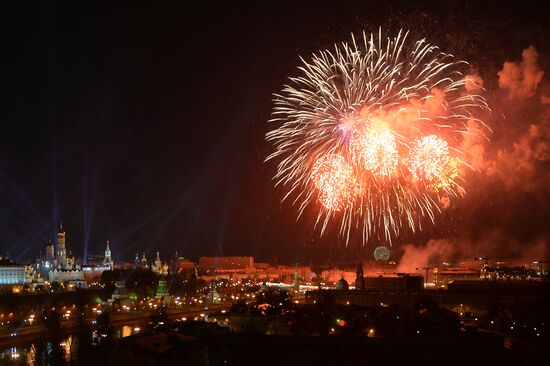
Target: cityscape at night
{"points": [[275, 183]]}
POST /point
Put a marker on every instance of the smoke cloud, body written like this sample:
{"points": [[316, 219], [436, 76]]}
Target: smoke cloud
{"points": [[460, 252], [505, 212], [473, 145], [521, 79], [521, 165]]}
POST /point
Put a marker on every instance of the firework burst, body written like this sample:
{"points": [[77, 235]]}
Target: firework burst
{"points": [[370, 132], [335, 181], [428, 158], [375, 150]]}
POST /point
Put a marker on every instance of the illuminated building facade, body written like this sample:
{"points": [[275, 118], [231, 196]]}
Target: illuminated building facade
{"points": [[213, 264], [61, 255], [66, 268], [71, 277], [98, 264], [11, 273], [181, 264], [162, 289], [33, 277], [107, 260], [442, 277], [144, 261], [510, 273], [46, 262], [158, 267]]}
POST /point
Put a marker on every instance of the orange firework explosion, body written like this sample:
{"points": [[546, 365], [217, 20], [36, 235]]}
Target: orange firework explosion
{"points": [[375, 150], [446, 180], [369, 129], [428, 158], [335, 181]]}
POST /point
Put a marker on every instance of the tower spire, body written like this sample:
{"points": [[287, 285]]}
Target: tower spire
{"points": [[108, 261], [61, 254]]}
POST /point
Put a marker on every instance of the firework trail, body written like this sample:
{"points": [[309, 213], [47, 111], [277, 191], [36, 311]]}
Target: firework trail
{"points": [[370, 133]]}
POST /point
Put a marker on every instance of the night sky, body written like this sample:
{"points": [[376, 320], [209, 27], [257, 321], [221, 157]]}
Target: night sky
{"points": [[145, 125]]}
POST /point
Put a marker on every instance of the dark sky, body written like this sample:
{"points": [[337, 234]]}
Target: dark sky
{"points": [[145, 125]]}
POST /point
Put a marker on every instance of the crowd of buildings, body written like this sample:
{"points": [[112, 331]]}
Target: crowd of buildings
{"points": [[57, 264]]}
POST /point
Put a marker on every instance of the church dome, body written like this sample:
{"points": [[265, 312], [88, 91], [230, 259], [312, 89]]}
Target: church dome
{"points": [[342, 284]]}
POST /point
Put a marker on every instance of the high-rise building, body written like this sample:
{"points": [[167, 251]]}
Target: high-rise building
{"points": [[61, 255]]}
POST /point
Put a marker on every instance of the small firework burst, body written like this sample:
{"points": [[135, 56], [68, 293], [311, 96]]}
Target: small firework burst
{"points": [[335, 181], [428, 158]]}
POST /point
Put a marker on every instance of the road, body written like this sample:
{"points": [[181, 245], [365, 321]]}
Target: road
{"points": [[28, 334]]}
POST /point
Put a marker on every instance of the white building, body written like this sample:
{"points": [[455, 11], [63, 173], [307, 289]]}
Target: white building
{"points": [[67, 269], [72, 277], [11, 273], [45, 263]]}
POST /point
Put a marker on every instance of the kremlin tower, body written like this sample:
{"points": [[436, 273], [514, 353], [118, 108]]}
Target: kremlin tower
{"points": [[107, 259], [61, 254]]}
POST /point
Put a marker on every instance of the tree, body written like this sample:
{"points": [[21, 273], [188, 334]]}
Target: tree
{"points": [[142, 282], [109, 278], [55, 286]]}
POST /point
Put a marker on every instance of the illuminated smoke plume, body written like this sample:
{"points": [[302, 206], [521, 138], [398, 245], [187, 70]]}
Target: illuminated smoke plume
{"points": [[520, 160], [521, 79], [505, 215], [461, 252]]}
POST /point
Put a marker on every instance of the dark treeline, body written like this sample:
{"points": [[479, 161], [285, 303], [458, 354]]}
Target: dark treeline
{"points": [[27, 302]]}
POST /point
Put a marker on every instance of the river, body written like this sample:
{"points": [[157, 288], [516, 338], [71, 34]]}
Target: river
{"points": [[28, 354]]}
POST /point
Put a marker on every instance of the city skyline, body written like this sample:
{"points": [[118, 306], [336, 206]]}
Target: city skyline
{"points": [[275, 183]]}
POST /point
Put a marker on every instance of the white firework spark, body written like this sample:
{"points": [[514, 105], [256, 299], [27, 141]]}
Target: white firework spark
{"points": [[386, 117]]}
